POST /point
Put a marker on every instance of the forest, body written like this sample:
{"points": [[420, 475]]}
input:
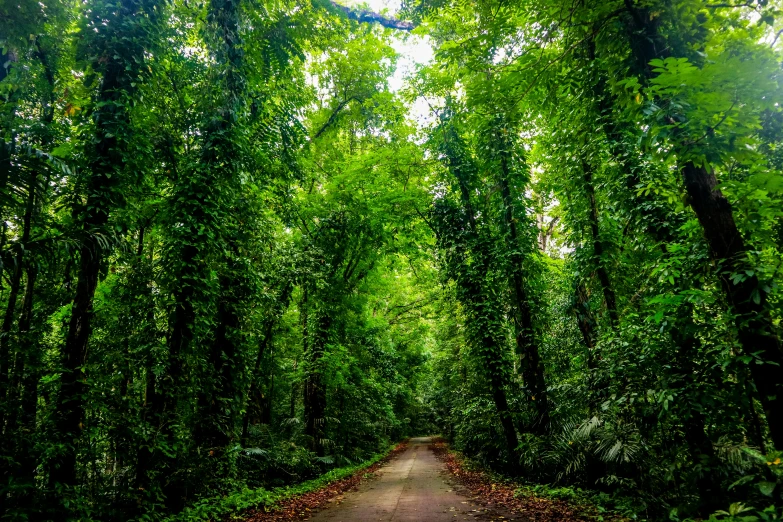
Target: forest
{"points": [[243, 246]]}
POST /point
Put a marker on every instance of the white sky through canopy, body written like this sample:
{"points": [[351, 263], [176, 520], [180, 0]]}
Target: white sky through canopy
{"points": [[413, 50]]}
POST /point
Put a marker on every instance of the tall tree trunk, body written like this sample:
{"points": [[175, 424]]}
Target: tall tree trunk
{"points": [[169, 390], [110, 113], [31, 354], [122, 436], [306, 343], [23, 400], [266, 417], [146, 456], [70, 402], [257, 406], [5, 335], [221, 398], [10, 384], [314, 389], [726, 244], [292, 402], [156, 431], [586, 323], [699, 445], [13, 297], [485, 333], [7, 56], [745, 296], [201, 195], [755, 421], [525, 335], [472, 289], [70, 406], [661, 229], [255, 396], [22, 423], [500, 399], [599, 261], [30, 377]]}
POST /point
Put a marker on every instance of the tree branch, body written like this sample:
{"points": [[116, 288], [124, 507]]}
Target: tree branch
{"points": [[550, 229], [333, 116], [410, 307], [777, 35], [712, 129], [426, 221], [366, 16], [728, 6]]}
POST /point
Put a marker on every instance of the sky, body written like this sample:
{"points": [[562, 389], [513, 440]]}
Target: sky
{"points": [[413, 50]]}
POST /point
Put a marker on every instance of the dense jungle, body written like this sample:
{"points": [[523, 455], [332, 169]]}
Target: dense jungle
{"points": [[247, 243]]}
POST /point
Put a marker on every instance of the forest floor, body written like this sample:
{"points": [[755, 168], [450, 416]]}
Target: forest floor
{"points": [[493, 494], [422, 483]]}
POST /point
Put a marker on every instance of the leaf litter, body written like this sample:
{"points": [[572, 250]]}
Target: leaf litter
{"points": [[496, 495]]}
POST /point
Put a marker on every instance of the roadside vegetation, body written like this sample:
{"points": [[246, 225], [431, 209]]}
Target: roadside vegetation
{"points": [[237, 256]]}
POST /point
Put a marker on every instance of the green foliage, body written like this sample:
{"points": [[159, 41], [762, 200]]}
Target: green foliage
{"points": [[217, 508], [232, 262], [653, 384]]}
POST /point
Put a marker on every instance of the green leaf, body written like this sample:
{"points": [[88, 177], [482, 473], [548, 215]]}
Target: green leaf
{"points": [[767, 488]]}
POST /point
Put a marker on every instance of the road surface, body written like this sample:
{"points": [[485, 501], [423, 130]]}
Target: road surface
{"points": [[410, 488]]}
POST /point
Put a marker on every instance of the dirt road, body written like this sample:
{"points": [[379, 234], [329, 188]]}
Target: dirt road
{"points": [[410, 488]]}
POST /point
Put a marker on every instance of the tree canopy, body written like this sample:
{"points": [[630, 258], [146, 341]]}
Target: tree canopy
{"points": [[232, 258]]}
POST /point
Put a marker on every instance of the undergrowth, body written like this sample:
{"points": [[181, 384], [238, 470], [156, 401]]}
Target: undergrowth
{"points": [[231, 506]]}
